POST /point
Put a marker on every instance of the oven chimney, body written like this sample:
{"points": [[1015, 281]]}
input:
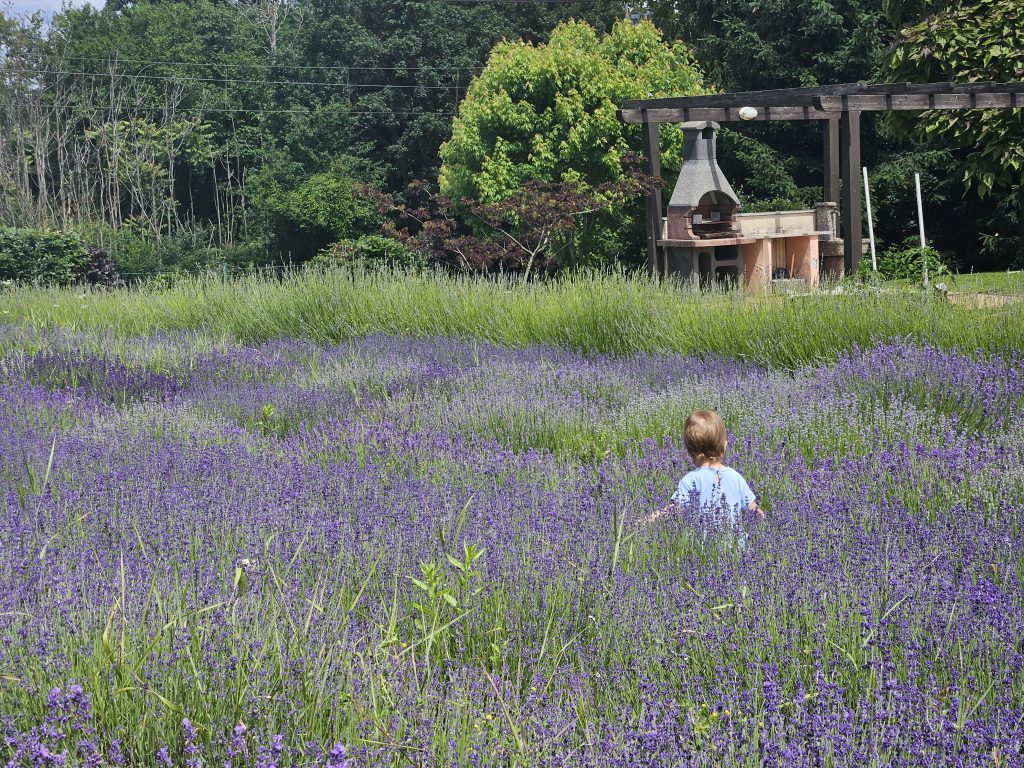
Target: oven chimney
{"points": [[703, 204]]}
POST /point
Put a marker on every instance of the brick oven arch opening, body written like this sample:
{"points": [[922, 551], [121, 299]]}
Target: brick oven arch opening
{"points": [[716, 197]]}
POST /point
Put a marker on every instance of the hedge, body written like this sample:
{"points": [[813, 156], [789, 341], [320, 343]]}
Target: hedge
{"points": [[41, 256]]}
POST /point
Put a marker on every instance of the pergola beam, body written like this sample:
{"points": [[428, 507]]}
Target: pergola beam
{"points": [[808, 97], [822, 103], [720, 115], [922, 101]]}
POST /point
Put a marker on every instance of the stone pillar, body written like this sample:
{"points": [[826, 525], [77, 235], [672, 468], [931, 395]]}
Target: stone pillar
{"points": [[830, 246], [757, 264], [804, 254]]}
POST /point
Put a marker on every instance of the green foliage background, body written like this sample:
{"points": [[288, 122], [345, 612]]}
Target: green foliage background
{"points": [[275, 125], [968, 42]]}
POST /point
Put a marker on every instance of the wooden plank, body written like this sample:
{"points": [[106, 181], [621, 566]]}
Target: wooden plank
{"points": [[652, 203], [850, 206], [969, 100], [920, 101], [860, 96], [719, 115], [777, 97], [992, 101], [831, 186]]}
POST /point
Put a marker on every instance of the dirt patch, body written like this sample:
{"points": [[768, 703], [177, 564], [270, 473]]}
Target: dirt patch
{"points": [[984, 299]]}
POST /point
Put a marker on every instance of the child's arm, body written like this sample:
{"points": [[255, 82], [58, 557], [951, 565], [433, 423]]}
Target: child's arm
{"points": [[752, 507], [755, 509], [668, 509]]}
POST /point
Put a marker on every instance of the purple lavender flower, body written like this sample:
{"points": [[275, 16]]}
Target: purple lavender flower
{"points": [[338, 757], [875, 617]]}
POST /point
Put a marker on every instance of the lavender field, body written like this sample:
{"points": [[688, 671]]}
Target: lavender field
{"points": [[393, 552]]}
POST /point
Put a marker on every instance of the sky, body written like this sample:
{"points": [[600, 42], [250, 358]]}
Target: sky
{"points": [[19, 7]]}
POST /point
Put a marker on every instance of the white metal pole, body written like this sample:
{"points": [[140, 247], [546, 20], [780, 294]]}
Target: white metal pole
{"points": [[871, 225], [920, 226]]}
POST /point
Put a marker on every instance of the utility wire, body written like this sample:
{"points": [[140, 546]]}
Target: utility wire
{"points": [[257, 111], [272, 65], [220, 81]]}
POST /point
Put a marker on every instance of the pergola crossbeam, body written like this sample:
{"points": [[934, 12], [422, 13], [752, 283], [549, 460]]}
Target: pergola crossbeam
{"points": [[816, 103]]}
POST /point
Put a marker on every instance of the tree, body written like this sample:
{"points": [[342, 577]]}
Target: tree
{"points": [[428, 223], [548, 113], [972, 41], [536, 217], [323, 209], [760, 44]]}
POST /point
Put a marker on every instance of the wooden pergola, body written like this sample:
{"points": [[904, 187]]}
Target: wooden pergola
{"points": [[838, 107]]}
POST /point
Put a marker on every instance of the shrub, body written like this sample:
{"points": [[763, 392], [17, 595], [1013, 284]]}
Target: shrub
{"points": [[41, 256], [324, 208], [100, 269], [371, 250], [905, 263], [139, 256]]}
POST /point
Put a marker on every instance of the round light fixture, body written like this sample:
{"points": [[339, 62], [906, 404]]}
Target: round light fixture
{"points": [[747, 113]]}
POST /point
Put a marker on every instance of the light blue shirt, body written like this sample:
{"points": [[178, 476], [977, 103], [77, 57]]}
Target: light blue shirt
{"points": [[720, 492]]}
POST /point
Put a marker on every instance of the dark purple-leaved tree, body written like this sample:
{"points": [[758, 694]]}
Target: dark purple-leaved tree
{"points": [[526, 231]]}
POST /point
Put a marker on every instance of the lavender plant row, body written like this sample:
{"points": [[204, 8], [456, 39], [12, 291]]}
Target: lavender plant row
{"points": [[420, 553]]}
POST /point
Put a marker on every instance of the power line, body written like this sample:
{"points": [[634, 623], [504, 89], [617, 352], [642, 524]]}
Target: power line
{"points": [[257, 111], [221, 81], [341, 67]]}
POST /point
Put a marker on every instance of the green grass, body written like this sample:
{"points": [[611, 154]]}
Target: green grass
{"points": [[990, 282], [611, 313]]}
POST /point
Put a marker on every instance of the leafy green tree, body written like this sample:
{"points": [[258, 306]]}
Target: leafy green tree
{"points": [[761, 176], [761, 44], [548, 113], [323, 209], [967, 42]]}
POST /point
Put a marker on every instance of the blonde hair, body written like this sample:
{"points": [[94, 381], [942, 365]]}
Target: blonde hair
{"points": [[705, 436]]}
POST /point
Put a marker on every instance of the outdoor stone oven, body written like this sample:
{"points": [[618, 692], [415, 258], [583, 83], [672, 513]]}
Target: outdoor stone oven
{"points": [[703, 204], [705, 237]]}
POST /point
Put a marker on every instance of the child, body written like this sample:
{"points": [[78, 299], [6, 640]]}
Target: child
{"points": [[712, 486]]}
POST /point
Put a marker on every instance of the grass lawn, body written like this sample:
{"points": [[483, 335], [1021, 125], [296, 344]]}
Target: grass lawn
{"points": [[990, 282]]}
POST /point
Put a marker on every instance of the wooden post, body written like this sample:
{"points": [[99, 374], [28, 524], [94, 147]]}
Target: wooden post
{"points": [[852, 216], [831, 159], [652, 167]]}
